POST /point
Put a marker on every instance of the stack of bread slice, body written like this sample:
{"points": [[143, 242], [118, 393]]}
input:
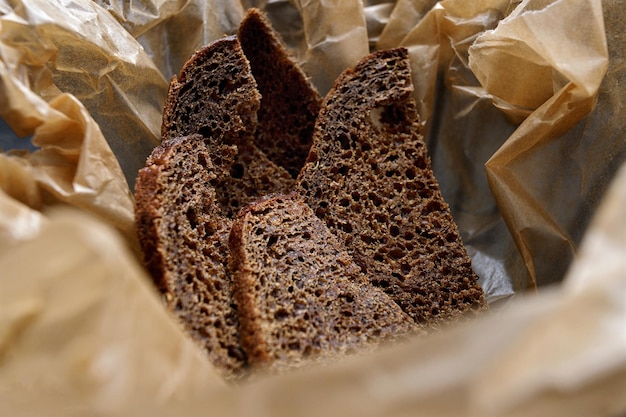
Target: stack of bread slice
{"points": [[283, 229]]}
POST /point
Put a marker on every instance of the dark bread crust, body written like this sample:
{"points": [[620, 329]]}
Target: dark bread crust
{"points": [[184, 238], [300, 296], [289, 104], [368, 176]]}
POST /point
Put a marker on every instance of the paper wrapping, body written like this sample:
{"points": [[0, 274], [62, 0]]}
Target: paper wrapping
{"points": [[521, 106]]}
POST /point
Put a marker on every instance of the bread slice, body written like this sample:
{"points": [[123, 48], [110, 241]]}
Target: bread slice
{"points": [[194, 182], [300, 296], [184, 237], [289, 104], [216, 96], [214, 93], [368, 176]]}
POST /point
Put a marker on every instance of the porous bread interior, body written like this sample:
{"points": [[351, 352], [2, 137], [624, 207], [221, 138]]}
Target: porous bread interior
{"points": [[289, 101], [215, 95], [185, 241], [368, 176], [300, 296]]}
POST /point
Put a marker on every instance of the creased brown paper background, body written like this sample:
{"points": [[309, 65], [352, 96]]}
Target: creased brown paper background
{"points": [[522, 105]]}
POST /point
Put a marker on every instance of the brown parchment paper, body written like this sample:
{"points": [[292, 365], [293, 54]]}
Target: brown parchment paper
{"points": [[552, 171], [74, 164], [78, 48], [81, 330]]}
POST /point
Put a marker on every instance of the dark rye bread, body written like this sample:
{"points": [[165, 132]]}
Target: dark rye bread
{"points": [[216, 96], [213, 93], [300, 296], [289, 102], [193, 184], [368, 176], [184, 238]]}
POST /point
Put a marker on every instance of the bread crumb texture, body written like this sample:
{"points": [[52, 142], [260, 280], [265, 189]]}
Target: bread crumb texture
{"points": [[368, 176], [300, 295]]}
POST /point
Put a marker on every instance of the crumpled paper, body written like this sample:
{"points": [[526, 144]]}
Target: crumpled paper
{"points": [[73, 163], [524, 157]]}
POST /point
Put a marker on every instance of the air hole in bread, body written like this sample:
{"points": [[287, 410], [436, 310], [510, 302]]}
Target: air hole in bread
{"points": [[207, 131], [202, 160], [381, 217], [434, 205], [347, 296], [344, 141], [382, 283], [421, 163], [237, 171], [272, 240], [396, 253], [367, 239], [375, 199], [192, 217], [281, 314]]}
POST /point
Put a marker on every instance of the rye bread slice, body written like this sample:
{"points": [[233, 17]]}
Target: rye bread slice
{"points": [[216, 95], [289, 101], [194, 182], [184, 237], [300, 296], [368, 176]]}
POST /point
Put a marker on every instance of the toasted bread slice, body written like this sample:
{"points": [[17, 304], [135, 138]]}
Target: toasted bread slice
{"points": [[300, 296], [368, 176]]}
